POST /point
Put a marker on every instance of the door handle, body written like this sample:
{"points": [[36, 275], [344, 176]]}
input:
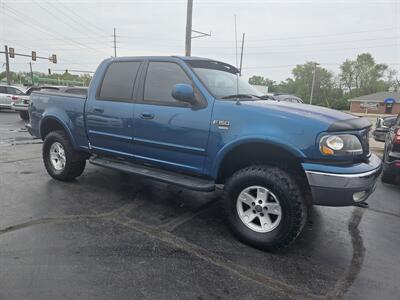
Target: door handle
{"points": [[146, 115], [98, 109]]}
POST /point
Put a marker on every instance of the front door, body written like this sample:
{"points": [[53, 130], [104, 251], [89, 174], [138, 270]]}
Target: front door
{"points": [[168, 132], [109, 113]]}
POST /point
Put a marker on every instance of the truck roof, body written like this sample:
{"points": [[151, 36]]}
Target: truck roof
{"points": [[196, 60], [160, 57]]}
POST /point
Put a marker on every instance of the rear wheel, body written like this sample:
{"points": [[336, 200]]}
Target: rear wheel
{"points": [[264, 207], [24, 115], [62, 162]]}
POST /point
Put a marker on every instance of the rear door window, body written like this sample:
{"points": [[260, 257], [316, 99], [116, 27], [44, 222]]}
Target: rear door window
{"points": [[3, 90], [13, 91], [119, 80]]}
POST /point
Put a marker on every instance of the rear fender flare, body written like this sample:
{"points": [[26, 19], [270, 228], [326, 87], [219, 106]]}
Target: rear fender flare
{"points": [[61, 122]]}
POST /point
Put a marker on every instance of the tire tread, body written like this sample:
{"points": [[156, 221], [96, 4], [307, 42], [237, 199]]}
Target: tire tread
{"points": [[75, 161], [288, 184]]}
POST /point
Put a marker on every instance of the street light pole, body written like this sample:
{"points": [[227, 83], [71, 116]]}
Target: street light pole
{"points": [[313, 82], [30, 66]]}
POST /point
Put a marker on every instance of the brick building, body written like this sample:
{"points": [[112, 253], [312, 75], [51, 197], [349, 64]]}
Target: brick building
{"points": [[379, 103]]}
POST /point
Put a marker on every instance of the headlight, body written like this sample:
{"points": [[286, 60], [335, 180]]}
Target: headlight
{"points": [[341, 144]]}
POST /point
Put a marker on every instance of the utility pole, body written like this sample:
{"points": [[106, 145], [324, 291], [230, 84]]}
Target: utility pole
{"points": [[241, 56], [188, 40], [7, 65], [115, 42], [30, 66], [313, 82]]}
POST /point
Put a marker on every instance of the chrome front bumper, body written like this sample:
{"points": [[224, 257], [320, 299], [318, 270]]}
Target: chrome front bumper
{"points": [[344, 189]]}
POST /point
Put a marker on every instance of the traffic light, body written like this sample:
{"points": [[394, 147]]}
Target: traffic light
{"points": [[11, 52], [54, 58], [34, 55], [49, 71]]}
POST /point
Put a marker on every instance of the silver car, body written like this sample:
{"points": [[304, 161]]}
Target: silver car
{"points": [[22, 104], [8, 94]]}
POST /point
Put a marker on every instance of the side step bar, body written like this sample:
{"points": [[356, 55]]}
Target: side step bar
{"points": [[179, 179]]}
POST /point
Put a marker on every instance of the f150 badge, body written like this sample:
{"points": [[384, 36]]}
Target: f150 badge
{"points": [[222, 124]]}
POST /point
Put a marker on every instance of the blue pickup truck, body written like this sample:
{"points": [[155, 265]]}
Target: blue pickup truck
{"points": [[194, 123]]}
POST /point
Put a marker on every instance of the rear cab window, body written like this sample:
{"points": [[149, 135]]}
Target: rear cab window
{"points": [[118, 81]]}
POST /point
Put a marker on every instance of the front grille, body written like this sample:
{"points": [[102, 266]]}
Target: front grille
{"points": [[365, 141]]}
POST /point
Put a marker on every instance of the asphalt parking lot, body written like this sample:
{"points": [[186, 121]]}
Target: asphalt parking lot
{"points": [[113, 236]]}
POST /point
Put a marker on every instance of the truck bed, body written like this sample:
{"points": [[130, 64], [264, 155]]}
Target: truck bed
{"points": [[67, 107]]}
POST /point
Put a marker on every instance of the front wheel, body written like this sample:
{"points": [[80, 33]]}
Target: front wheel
{"points": [[62, 162], [264, 207], [24, 115], [388, 177]]}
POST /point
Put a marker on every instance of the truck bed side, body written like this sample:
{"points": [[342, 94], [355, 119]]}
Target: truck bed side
{"points": [[48, 109]]}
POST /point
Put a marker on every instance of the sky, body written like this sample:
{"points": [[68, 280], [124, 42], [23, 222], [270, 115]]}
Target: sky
{"points": [[278, 34]]}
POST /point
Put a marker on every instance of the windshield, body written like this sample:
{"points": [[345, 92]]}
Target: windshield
{"points": [[224, 83]]}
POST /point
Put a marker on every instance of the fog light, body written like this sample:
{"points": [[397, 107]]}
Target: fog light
{"points": [[359, 196]]}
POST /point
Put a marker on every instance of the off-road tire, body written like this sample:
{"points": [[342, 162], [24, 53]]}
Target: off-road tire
{"points": [[75, 161], [279, 182], [388, 177], [24, 115]]}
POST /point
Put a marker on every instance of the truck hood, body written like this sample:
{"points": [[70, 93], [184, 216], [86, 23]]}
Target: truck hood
{"points": [[333, 119]]}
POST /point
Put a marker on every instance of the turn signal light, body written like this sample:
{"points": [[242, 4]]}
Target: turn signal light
{"points": [[327, 151]]}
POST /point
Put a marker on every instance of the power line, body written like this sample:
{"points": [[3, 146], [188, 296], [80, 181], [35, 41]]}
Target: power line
{"points": [[62, 19], [308, 44], [41, 27], [81, 17], [78, 21], [314, 36], [317, 50]]}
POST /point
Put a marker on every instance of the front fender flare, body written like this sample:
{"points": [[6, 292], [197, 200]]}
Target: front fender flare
{"points": [[251, 139]]}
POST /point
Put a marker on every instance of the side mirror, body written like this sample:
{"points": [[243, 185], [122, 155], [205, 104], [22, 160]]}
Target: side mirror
{"points": [[183, 92]]}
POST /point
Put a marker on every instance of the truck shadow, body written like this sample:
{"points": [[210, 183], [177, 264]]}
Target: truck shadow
{"points": [[320, 262]]}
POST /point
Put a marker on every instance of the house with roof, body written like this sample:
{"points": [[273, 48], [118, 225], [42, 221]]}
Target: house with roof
{"points": [[379, 103]]}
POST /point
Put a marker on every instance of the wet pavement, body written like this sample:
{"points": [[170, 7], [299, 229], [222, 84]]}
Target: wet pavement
{"points": [[110, 235]]}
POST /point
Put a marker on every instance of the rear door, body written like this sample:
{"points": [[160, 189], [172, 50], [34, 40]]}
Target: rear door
{"points": [[168, 132], [109, 113]]}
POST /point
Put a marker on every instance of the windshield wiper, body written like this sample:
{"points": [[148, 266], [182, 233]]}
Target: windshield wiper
{"points": [[242, 96]]}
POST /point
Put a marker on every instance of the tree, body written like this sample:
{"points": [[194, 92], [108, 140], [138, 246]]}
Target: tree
{"points": [[260, 80], [348, 73], [363, 75]]}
